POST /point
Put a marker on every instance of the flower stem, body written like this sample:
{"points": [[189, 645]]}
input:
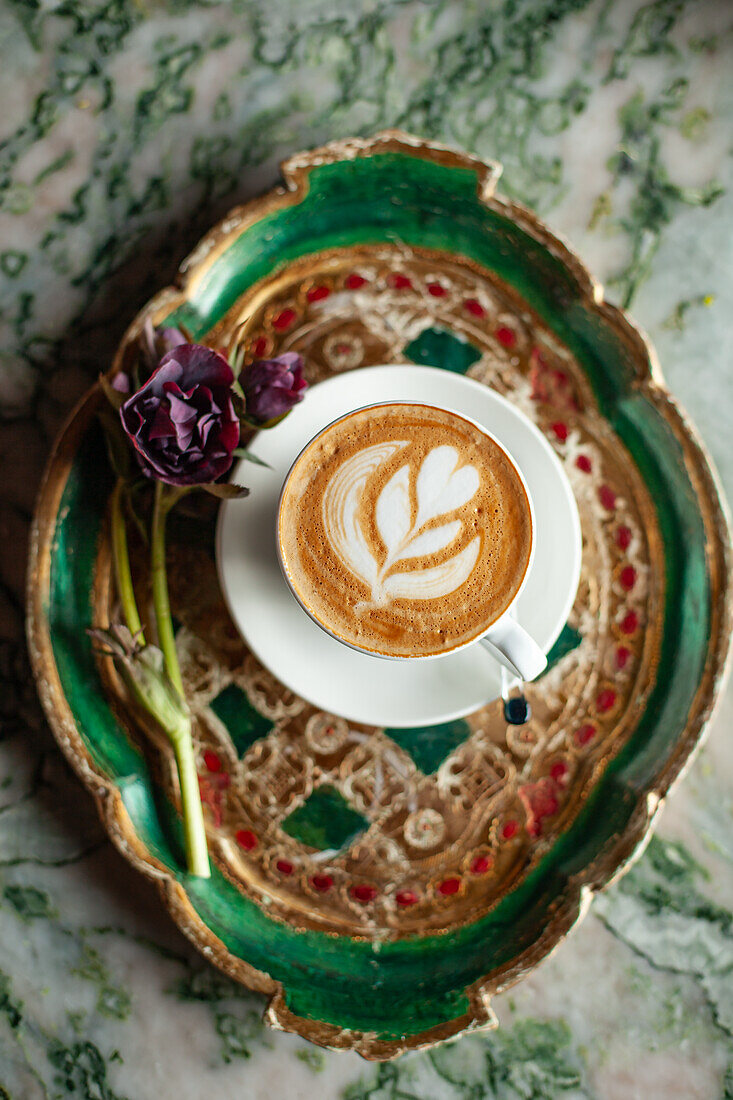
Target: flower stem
{"points": [[193, 818], [159, 579], [121, 561], [197, 854]]}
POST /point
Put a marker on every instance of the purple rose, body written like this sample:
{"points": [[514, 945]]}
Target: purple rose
{"points": [[182, 421], [272, 387]]}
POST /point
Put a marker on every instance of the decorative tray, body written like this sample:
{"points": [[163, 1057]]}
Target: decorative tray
{"points": [[381, 884]]}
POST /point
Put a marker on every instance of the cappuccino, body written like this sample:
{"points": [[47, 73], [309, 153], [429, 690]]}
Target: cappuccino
{"points": [[405, 530]]}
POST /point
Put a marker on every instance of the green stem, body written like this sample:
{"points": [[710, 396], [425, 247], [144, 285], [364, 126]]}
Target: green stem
{"points": [[197, 854], [193, 817], [159, 579], [121, 560]]}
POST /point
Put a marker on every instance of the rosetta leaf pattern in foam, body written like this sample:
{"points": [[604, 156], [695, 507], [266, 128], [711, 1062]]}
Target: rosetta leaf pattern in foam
{"points": [[341, 502], [431, 541], [393, 512], [441, 487]]}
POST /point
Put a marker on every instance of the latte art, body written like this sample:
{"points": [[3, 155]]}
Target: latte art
{"points": [[405, 530], [441, 488]]}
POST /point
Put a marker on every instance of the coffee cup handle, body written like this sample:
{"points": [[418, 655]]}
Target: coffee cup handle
{"points": [[511, 645]]}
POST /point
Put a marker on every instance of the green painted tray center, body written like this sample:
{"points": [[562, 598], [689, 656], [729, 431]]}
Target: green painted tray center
{"points": [[244, 722], [437, 347], [325, 821], [429, 746]]}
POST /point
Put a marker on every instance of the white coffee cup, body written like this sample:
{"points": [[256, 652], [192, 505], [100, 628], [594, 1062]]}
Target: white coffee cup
{"points": [[507, 642]]}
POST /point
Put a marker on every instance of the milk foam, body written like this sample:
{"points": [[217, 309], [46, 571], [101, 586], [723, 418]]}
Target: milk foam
{"points": [[442, 487]]}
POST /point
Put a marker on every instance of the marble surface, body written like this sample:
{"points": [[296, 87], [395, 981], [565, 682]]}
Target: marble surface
{"points": [[127, 129]]}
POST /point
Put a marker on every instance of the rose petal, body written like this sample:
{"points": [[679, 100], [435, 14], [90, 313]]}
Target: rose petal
{"points": [[181, 412], [162, 426], [166, 372], [199, 365], [205, 426]]}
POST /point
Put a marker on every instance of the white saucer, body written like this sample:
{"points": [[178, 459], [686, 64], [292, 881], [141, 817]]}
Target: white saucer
{"points": [[340, 680]]}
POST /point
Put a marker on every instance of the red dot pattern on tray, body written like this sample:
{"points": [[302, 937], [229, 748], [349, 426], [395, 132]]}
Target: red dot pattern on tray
{"points": [[623, 537], [622, 656], [506, 336], [283, 320], [246, 839], [212, 760], [605, 700], [317, 293], [630, 623], [398, 281], [559, 771], [449, 886], [585, 733], [364, 893], [627, 577]]}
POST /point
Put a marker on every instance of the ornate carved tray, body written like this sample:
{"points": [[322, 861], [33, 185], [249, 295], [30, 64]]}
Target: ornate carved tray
{"points": [[380, 885]]}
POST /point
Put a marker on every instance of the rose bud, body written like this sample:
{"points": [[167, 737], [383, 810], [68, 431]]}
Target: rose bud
{"points": [[272, 387]]}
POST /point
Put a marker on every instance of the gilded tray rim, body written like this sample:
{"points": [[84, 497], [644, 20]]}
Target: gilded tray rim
{"points": [[612, 861]]}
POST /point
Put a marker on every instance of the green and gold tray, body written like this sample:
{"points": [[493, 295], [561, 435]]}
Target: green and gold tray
{"points": [[381, 885]]}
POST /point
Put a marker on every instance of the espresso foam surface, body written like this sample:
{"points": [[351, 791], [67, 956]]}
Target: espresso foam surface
{"points": [[405, 530]]}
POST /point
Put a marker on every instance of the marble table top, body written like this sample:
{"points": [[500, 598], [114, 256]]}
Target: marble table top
{"points": [[128, 127]]}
